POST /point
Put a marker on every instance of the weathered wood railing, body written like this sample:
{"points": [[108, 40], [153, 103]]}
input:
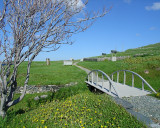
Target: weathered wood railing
{"points": [[133, 80], [98, 78]]}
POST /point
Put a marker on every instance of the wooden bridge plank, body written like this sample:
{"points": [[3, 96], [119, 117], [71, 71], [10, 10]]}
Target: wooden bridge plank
{"points": [[121, 89]]}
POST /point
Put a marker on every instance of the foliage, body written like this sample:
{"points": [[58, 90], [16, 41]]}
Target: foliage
{"points": [[77, 108]]}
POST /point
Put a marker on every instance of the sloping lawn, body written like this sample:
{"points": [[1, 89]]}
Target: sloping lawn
{"points": [[138, 65], [54, 74], [71, 107]]}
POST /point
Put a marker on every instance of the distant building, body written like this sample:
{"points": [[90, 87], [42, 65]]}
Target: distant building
{"points": [[68, 62]]}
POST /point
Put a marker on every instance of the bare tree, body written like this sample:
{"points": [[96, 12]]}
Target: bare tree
{"points": [[32, 26]]}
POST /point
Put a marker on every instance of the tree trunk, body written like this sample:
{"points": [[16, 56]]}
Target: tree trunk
{"points": [[3, 109]]}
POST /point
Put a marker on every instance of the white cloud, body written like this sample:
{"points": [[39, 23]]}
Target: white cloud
{"points": [[155, 6], [152, 28], [137, 34], [72, 4], [127, 1]]}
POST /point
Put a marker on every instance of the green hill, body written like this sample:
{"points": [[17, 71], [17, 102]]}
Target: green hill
{"points": [[149, 50], [142, 60]]}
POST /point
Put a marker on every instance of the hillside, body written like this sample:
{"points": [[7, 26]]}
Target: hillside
{"points": [[149, 50], [142, 60]]}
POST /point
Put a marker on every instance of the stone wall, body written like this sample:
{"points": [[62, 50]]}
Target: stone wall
{"points": [[38, 89], [43, 88], [105, 58]]}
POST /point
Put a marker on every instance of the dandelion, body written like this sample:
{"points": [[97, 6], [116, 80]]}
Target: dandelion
{"points": [[42, 121], [101, 126]]}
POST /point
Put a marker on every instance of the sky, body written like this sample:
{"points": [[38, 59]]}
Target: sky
{"points": [[129, 24]]}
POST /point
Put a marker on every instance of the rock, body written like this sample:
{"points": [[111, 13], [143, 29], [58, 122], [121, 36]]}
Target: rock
{"points": [[36, 98], [71, 84], [158, 69], [146, 71], [44, 96]]}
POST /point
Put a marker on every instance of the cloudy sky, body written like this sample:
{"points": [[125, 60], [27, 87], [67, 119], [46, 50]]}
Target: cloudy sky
{"points": [[129, 24]]}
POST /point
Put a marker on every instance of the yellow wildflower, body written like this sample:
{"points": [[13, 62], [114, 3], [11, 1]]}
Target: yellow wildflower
{"points": [[42, 121]]}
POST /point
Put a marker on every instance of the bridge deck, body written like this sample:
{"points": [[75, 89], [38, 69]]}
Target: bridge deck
{"points": [[122, 90]]}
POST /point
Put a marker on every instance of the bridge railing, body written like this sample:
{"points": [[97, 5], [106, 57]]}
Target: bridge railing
{"points": [[98, 78], [133, 78]]}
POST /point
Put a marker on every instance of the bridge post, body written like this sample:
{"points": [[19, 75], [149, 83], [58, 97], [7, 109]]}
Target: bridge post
{"points": [[142, 85], [88, 78], [117, 77], [92, 77], [124, 77], [102, 80], [110, 87], [97, 79], [132, 80]]}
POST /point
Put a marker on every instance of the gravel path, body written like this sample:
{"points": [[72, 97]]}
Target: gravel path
{"points": [[147, 106]]}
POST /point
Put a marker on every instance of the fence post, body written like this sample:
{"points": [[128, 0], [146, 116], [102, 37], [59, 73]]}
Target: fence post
{"points": [[47, 61]]}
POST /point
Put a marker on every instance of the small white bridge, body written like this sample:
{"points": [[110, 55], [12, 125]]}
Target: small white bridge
{"points": [[97, 79]]}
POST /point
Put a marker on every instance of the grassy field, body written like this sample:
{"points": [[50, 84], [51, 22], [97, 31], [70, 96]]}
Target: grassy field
{"points": [[54, 74], [70, 107], [76, 106], [136, 64]]}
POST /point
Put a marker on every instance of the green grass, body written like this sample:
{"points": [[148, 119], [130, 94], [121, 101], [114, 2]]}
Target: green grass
{"points": [[76, 106], [71, 107], [138, 65], [149, 50], [54, 74]]}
